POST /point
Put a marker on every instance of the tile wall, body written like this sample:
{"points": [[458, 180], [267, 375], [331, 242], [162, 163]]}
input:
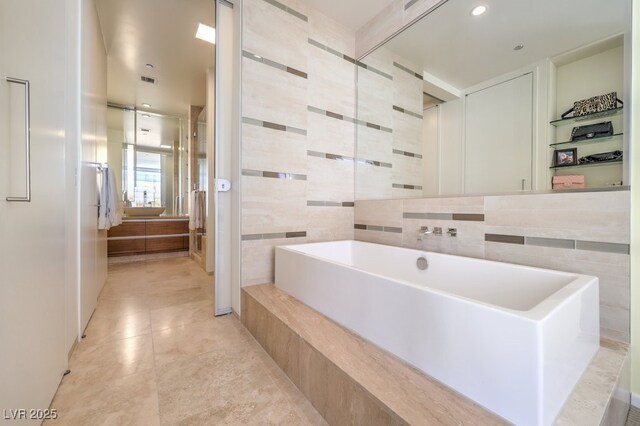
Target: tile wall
{"points": [[581, 232], [298, 113], [389, 131]]}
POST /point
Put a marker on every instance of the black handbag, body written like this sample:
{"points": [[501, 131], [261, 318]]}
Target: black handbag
{"points": [[605, 156], [591, 131], [600, 103]]}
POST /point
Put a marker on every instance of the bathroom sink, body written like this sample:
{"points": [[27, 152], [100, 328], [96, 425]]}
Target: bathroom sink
{"points": [[144, 211]]}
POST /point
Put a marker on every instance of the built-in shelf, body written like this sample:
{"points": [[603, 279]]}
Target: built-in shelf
{"points": [[594, 116], [588, 141], [599, 163]]}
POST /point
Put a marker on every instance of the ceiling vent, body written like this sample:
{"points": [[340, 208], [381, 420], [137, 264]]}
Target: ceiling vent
{"points": [[146, 79]]}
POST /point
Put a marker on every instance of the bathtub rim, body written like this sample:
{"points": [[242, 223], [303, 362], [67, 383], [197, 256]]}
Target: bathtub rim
{"points": [[537, 314]]}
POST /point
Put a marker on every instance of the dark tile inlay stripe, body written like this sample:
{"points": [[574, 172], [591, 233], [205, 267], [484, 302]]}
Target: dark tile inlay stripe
{"points": [[329, 156], [470, 217], [287, 9], [273, 126], [373, 163], [373, 69], [406, 111], [604, 247], [405, 69], [509, 239], [274, 235], [550, 242], [330, 50], [407, 154], [330, 203], [331, 114], [404, 186], [560, 243], [392, 229], [410, 3], [274, 175], [274, 64]]}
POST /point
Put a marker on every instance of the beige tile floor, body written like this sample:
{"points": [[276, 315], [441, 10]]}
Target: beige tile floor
{"points": [[154, 354]]}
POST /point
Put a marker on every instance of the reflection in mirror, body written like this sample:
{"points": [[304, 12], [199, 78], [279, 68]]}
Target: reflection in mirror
{"points": [[147, 154], [465, 104]]}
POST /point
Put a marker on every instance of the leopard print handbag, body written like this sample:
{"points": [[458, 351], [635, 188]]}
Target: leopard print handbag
{"points": [[594, 105]]}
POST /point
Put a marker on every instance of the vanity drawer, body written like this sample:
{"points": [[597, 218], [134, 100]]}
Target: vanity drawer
{"points": [[167, 227], [165, 244], [126, 247], [127, 229]]}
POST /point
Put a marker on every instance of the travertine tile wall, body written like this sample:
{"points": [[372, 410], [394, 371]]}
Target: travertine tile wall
{"points": [[389, 131], [298, 113], [582, 232]]}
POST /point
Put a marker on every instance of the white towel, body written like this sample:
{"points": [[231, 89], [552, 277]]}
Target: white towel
{"points": [[197, 213], [110, 212], [192, 210]]}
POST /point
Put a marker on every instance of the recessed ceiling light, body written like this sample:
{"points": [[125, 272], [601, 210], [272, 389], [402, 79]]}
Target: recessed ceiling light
{"points": [[146, 105], [150, 66], [145, 115], [478, 10], [165, 146], [206, 33], [519, 47]]}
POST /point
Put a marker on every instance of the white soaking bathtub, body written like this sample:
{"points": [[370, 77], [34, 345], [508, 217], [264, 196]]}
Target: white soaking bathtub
{"points": [[512, 338]]}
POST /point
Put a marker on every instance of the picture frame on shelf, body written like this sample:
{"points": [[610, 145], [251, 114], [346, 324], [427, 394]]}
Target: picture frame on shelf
{"points": [[565, 157]]}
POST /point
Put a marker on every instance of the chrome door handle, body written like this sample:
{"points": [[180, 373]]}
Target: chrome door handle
{"points": [[27, 132]]}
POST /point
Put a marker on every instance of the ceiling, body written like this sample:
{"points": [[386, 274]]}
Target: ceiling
{"points": [[162, 33], [464, 50], [353, 14], [162, 131]]}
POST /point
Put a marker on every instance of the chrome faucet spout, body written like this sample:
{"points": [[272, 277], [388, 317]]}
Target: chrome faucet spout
{"points": [[425, 230]]}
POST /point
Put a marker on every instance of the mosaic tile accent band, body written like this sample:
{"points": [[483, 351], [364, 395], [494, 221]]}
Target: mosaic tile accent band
{"points": [[469, 217], [373, 163], [274, 64], [375, 70], [407, 154], [288, 10], [274, 175], [332, 51], [405, 111], [311, 203], [559, 243], [332, 114], [409, 3], [392, 229], [404, 186], [273, 236], [273, 126], [405, 69], [329, 156]]}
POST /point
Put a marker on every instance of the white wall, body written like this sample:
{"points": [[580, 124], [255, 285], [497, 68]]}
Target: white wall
{"points": [[93, 150], [451, 147]]}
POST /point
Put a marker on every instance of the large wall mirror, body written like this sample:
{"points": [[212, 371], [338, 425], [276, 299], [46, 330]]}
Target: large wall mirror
{"points": [[469, 100]]}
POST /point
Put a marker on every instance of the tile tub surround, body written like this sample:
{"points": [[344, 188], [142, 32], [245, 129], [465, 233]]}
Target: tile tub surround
{"points": [[348, 380], [300, 340], [582, 232], [298, 118]]}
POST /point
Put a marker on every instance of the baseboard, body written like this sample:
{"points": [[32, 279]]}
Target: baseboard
{"points": [[635, 400]]}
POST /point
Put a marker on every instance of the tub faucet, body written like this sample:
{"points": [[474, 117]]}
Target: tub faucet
{"points": [[424, 230]]}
